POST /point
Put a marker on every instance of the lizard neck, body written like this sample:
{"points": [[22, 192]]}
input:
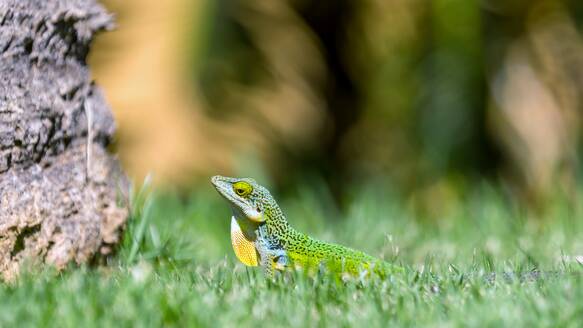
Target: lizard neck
{"points": [[276, 226]]}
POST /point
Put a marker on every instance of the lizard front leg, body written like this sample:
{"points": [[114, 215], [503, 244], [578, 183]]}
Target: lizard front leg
{"points": [[272, 259]]}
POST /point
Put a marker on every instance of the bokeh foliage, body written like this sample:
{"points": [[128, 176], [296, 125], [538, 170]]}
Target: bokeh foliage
{"points": [[420, 91]]}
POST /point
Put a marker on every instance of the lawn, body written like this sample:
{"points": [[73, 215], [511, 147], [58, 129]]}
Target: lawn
{"points": [[175, 267]]}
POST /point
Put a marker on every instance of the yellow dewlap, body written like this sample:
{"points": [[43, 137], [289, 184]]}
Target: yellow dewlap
{"points": [[243, 246]]}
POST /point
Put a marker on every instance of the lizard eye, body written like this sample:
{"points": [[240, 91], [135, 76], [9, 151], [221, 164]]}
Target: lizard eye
{"points": [[242, 188]]}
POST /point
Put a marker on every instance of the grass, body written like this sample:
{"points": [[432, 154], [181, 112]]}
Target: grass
{"points": [[175, 268]]}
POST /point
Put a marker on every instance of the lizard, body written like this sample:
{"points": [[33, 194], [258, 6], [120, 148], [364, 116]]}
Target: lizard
{"points": [[261, 236]]}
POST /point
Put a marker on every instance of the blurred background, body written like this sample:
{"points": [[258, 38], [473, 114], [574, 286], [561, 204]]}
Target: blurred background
{"points": [[426, 98]]}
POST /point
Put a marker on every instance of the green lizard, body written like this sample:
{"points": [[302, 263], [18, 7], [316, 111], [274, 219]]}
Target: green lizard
{"points": [[261, 235]]}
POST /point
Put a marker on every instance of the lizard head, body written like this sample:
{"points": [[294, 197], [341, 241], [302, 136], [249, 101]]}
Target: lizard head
{"points": [[247, 198]]}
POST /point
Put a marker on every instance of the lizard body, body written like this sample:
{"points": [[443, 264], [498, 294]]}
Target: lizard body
{"points": [[262, 236]]}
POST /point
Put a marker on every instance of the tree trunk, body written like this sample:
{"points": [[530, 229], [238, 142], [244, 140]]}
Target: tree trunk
{"points": [[59, 187]]}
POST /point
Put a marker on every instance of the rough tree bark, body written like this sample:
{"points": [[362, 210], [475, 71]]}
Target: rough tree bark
{"points": [[59, 187]]}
